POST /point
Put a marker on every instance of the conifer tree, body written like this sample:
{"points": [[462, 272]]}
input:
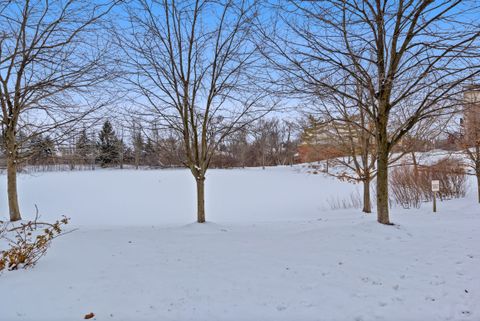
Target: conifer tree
{"points": [[108, 146]]}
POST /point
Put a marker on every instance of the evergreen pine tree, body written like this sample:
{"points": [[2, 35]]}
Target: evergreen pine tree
{"points": [[108, 146]]}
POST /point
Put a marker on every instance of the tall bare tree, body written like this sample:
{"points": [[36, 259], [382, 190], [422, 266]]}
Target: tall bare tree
{"points": [[192, 65], [352, 137], [48, 64], [412, 57]]}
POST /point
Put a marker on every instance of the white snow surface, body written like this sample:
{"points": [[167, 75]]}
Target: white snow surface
{"points": [[272, 250]]}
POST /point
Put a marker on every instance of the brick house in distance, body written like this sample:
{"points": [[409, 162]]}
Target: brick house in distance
{"points": [[471, 121], [318, 142]]}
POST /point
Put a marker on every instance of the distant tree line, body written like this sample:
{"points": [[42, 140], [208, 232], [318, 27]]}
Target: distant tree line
{"points": [[266, 142]]}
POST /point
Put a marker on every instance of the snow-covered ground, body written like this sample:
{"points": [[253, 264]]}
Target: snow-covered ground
{"points": [[272, 250]]}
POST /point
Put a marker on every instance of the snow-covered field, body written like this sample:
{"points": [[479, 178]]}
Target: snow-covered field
{"points": [[272, 250]]}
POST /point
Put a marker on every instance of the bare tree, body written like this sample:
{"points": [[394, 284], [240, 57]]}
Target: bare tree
{"points": [[411, 57], [48, 64], [262, 132], [350, 131], [273, 142], [238, 146], [288, 132], [192, 66]]}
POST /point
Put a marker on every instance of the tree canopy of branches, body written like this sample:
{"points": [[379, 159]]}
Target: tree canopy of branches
{"points": [[192, 66]]}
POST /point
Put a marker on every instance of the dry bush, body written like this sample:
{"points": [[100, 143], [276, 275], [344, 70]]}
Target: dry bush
{"points": [[411, 187], [452, 176], [27, 242], [404, 187], [353, 201]]}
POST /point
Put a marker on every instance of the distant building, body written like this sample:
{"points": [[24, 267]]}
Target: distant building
{"points": [[471, 121], [322, 140]]}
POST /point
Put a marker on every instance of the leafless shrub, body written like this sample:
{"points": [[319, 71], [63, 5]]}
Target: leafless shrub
{"points": [[411, 186], [452, 176], [405, 188], [27, 242], [354, 200]]}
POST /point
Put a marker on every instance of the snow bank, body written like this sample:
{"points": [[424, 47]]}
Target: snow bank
{"points": [[274, 252]]}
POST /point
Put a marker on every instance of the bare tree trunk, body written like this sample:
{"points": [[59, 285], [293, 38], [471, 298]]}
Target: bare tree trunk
{"points": [[137, 158], [382, 189], [12, 188], [382, 174], [200, 200], [263, 157], [367, 204], [11, 151], [415, 164]]}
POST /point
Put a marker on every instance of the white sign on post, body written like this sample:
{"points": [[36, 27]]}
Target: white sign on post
{"points": [[435, 186]]}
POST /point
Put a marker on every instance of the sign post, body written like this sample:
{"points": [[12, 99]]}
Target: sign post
{"points": [[435, 189]]}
